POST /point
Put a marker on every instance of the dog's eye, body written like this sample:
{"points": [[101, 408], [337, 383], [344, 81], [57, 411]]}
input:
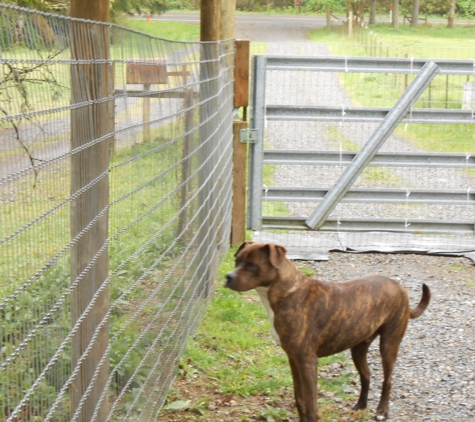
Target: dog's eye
{"points": [[251, 267]]}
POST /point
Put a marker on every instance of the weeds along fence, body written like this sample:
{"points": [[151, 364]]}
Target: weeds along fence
{"points": [[115, 198]]}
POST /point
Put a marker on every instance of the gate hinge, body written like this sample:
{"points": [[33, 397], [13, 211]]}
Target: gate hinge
{"points": [[249, 136]]}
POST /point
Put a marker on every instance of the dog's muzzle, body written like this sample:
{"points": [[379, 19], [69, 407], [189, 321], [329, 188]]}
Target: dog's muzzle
{"points": [[230, 280]]}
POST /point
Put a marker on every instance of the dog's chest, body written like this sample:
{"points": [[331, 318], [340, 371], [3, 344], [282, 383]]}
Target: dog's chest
{"points": [[263, 294]]}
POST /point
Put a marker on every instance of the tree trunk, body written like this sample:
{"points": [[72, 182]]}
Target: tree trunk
{"points": [[415, 13], [372, 13], [450, 19], [328, 14], [361, 12], [349, 8], [396, 14]]}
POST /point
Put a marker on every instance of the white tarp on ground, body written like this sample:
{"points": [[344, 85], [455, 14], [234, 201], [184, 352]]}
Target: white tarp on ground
{"points": [[315, 247]]}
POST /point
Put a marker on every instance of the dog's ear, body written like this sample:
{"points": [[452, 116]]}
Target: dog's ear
{"points": [[242, 247], [276, 254]]}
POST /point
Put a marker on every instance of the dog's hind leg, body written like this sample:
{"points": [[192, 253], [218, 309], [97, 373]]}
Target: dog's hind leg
{"points": [[359, 353], [389, 347]]}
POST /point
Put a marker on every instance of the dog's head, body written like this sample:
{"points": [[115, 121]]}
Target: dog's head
{"points": [[257, 265]]}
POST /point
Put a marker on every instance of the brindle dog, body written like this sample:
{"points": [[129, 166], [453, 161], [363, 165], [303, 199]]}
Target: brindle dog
{"points": [[312, 319]]}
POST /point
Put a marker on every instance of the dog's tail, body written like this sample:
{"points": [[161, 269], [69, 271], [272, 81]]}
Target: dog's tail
{"points": [[423, 304]]}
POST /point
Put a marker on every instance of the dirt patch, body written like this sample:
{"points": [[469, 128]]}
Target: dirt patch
{"points": [[206, 403]]}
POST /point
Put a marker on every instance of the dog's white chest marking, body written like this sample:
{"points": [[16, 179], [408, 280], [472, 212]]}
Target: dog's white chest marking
{"points": [[262, 291]]}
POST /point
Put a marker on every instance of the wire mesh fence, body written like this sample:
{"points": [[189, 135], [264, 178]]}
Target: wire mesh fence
{"points": [[115, 199], [291, 189]]}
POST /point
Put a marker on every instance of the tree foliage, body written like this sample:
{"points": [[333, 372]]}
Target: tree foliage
{"points": [[139, 6], [53, 6], [466, 7], [428, 7]]}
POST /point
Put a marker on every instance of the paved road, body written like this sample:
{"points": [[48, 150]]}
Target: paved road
{"points": [[260, 27], [194, 17], [274, 28]]}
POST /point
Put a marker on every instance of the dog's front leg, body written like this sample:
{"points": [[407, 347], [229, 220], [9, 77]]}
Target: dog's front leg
{"points": [[304, 374], [299, 402]]}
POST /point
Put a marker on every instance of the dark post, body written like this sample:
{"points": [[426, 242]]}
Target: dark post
{"points": [[187, 148]]}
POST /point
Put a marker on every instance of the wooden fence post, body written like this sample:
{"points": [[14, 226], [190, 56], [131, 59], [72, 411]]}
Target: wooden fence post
{"points": [[209, 117], [90, 81], [241, 99], [241, 74]]}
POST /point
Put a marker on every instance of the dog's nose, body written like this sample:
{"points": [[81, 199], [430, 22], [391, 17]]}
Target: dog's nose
{"points": [[230, 277]]}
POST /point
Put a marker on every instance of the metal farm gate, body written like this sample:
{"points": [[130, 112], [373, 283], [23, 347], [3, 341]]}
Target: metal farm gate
{"points": [[346, 169]]}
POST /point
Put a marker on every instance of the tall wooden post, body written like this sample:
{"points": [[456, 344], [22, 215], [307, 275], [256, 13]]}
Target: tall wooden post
{"points": [[89, 210], [241, 73], [241, 99], [209, 114]]}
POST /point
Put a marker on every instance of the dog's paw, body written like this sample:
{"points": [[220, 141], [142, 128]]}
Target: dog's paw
{"points": [[380, 418]]}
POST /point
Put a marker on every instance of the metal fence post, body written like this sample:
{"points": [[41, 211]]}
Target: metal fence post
{"points": [[238, 231], [256, 150]]}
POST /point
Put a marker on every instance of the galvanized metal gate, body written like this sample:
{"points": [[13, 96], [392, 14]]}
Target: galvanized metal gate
{"points": [[262, 153]]}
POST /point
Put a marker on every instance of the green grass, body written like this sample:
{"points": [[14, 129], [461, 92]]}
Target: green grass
{"points": [[177, 31], [272, 208], [452, 43], [335, 137], [426, 35], [370, 175], [447, 138]]}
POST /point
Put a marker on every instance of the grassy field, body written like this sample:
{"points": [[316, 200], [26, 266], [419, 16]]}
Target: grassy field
{"points": [[170, 30], [424, 35]]}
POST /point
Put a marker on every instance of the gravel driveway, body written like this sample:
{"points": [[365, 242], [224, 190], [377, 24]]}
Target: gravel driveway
{"points": [[434, 379]]}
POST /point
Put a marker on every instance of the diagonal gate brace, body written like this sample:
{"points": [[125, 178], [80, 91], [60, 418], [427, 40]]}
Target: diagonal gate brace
{"points": [[364, 157]]}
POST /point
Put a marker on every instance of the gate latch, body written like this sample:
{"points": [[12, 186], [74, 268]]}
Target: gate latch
{"points": [[249, 136]]}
